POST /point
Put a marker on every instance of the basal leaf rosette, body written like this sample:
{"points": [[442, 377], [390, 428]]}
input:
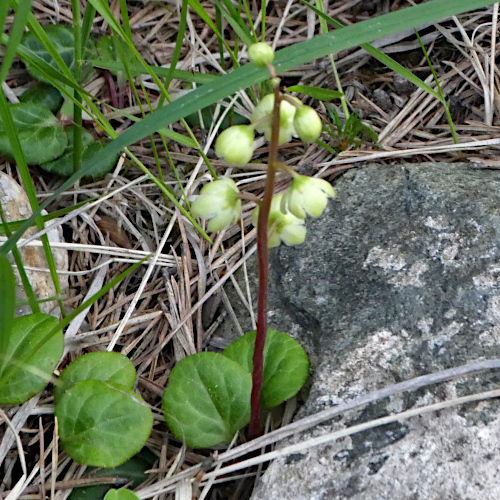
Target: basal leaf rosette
{"points": [[219, 203], [207, 399], [284, 226]]}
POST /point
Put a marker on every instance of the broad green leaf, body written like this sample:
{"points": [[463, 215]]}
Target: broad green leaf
{"points": [[111, 367], [248, 75], [91, 149], [207, 399], [45, 95], [121, 494], [27, 358], [286, 365], [316, 92], [7, 297], [40, 133], [102, 425], [63, 39], [133, 471], [108, 51]]}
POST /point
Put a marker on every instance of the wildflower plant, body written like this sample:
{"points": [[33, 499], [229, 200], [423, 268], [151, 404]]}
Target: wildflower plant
{"points": [[279, 218]]}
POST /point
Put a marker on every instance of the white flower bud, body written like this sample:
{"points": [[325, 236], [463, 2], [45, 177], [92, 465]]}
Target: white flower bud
{"points": [[260, 54], [307, 124], [235, 145]]}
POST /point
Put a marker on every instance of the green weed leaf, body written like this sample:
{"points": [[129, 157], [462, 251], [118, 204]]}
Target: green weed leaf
{"points": [[27, 357], [101, 424], [121, 494], [133, 471], [7, 298], [63, 39], [108, 51], [316, 92], [207, 399], [91, 149], [111, 367], [45, 95], [40, 133], [286, 365]]}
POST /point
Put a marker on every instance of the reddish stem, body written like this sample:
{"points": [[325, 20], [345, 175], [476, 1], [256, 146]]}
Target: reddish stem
{"points": [[262, 251]]}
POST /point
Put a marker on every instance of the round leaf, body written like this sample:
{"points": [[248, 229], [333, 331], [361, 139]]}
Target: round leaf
{"points": [[286, 365], [121, 494], [28, 357], [102, 425], [207, 399], [133, 471], [64, 164], [7, 297], [40, 133], [111, 367], [45, 95], [63, 39]]}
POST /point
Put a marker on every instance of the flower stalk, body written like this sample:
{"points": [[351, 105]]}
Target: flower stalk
{"points": [[263, 265]]}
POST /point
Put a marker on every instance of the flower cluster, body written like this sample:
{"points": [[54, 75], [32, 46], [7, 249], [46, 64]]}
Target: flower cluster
{"points": [[219, 201]]}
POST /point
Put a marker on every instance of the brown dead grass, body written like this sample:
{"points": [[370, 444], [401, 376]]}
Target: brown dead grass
{"points": [[172, 306]]}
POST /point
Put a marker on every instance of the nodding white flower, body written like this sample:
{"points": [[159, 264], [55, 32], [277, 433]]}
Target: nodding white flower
{"points": [[235, 144], [285, 227], [307, 124], [218, 202], [260, 54], [307, 195], [262, 118]]}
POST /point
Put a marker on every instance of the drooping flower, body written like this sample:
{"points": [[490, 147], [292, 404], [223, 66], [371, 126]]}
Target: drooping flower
{"points": [[219, 203], [262, 118], [285, 227], [235, 144], [260, 54], [307, 124], [307, 195]]}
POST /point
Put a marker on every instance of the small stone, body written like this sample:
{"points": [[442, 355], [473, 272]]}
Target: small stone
{"points": [[16, 206], [382, 99], [402, 86]]}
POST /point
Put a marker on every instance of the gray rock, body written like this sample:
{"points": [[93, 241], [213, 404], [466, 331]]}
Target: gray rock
{"points": [[398, 278]]}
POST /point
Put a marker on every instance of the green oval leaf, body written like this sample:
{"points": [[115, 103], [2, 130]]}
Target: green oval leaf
{"points": [[120, 494], [102, 425], [91, 149], [107, 49], [316, 92], [63, 40], [40, 133], [45, 95], [28, 357], [111, 367], [7, 297], [133, 472], [207, 399], [286, 365]]}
